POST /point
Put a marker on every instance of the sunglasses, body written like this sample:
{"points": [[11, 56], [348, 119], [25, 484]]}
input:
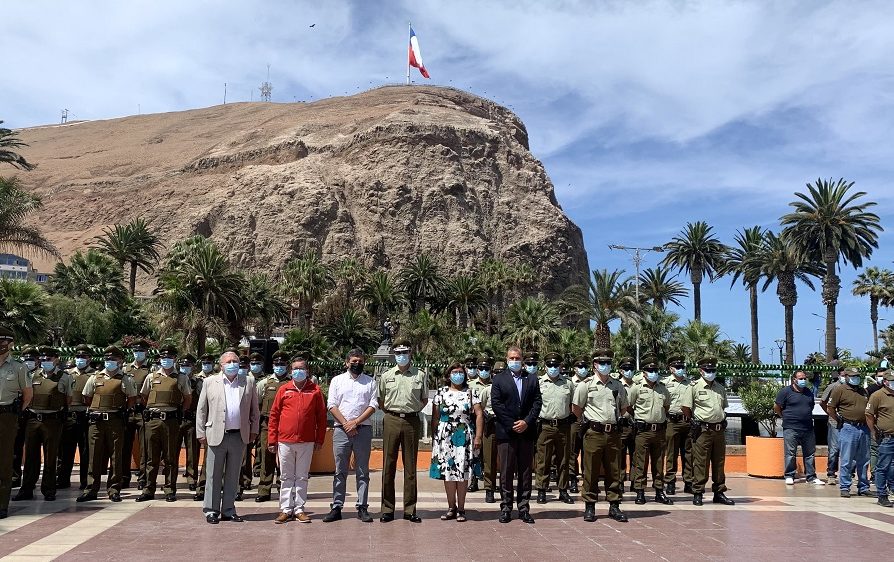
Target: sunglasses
{"points": [[709, 371], [531, 363]]}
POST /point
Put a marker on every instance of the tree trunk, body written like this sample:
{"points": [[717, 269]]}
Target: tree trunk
{"points": [[755, 346], [602, 336], [200, 341], [789, 335], [831, 288], [133, 277], [697, 300], [873, 315]]}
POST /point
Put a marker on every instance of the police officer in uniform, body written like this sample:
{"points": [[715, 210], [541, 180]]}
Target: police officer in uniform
{"points": [[51, 388], [208, 361], [74, 429], [707, 402], [471, 364], [598, 404], [628, 436], [649, 403], [29, 357], [581, 374], [489, 440], [109, 395], [134, 429], [166, 393], [554, 432], [267, 388], [15, 394], [403, 392], [187, 366], [678, 441]]}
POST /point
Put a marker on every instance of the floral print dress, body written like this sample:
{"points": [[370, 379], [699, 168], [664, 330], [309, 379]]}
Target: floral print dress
{"points": [[453, 456]]}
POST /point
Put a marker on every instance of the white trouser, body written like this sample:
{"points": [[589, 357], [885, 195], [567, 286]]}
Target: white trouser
{"points": [[294, 468]]}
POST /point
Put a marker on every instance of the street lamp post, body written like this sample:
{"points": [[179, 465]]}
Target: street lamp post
{"points": [[637, 260], [780, 343]]}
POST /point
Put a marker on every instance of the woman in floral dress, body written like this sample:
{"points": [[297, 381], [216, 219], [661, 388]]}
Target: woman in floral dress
{"points": [[454, 447]]}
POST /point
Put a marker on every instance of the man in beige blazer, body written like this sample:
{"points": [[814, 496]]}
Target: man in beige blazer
{"points": [[227, 421]]}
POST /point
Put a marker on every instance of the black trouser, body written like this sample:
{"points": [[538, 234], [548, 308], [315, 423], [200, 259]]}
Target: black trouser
{"points": [[18, 448], [42, 435], [134, 430], [516, 457], [74, 439]]}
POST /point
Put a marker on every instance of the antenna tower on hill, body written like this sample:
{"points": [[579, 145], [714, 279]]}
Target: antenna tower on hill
{"points": [[266, 87]]}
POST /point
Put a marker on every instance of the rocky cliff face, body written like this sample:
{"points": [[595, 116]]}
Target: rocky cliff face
{"points": [[380, 175]]}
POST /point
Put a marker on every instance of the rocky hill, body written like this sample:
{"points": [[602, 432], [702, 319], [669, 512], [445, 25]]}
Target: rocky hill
{"points": [[380, 175]]}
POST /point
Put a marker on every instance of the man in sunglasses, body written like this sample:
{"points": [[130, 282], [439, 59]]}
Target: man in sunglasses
{"points": [[679, 443], [489, 440]]}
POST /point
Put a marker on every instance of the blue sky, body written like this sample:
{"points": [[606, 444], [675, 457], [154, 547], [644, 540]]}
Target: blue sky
{"points": [[646, 114]]}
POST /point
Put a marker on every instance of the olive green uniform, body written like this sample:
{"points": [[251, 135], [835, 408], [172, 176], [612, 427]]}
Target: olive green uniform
{"points": [[650, 404], [601, 403], [14, 379], [402, 396], [43, 430], [134, 429], [107, 416], [628, 439], [188, 432], [708, 403], [163, 396], [74, 432], [576, 441], [489, 439], [677, 436], [554, 436], [267, 388]]}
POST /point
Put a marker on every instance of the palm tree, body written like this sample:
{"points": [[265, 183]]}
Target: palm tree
{"points": [[782, 261], [23, 309], [306, 280], [9, 140], [496, 276], [741, 263], [531, 323], [607, 296], [382, 296], [422, 282], [15, 206], [571, 344], [697, 340], [349, 273], [261, 305], [659, 287], [657, 327], [830, 225], [134, 244], [427, 332], [878, 285], [351, 330], [697, 252], [93, 275], [465, 296]]}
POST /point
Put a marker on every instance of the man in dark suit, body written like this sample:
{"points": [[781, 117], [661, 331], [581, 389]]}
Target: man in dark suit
{"points": [[515, 398]]}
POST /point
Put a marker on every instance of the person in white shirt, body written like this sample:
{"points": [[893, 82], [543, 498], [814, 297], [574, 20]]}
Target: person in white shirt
{"points": [[352, 400]]}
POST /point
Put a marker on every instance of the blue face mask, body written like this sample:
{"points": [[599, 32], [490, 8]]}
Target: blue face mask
{"points": [[680, 373], [232, 368], [30, 365], [299, 375], [186, 370], [710, 376], [81, 363], [457, 378], [801, 382], [603, 368], [473, 372], [167, 362], [483, 374], [582, 372], [514, 366], [279, 370], [139, 356], [256, 367], [531, 369], [402, 359], [111, 366], [243, 371], [206, 367], [628, 374], [853, 381], [652, 377], [47, 366], [552, 372]]}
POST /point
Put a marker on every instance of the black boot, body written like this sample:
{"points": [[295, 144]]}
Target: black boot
{"points": [[640, 497], [614, 511], [589, 512], [697, 499], [687, 488], [564, 497], [573, 487], [661, 498], [473, 486], [333, 515], [670, 489], [489, 496], [720, 497], [541, 496]]}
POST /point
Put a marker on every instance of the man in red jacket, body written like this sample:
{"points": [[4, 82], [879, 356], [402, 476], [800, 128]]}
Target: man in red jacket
{"points": [[297, 427]]}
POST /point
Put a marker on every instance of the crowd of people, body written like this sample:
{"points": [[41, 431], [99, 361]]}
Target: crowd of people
{"points": [[506, 426]]}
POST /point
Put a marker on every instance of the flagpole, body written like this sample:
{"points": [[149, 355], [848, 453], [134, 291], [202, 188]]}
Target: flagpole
{"points": [[409, 32]]}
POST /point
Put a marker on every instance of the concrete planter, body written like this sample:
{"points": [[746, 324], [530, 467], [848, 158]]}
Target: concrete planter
{"points": [[764, 456]]}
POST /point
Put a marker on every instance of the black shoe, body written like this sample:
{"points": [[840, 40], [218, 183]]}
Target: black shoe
{"points": [[23, 495], [140, 485], [640, 497], [333, 515], [234, 518], [505, 516], [541, 496], [144, 497], [885, 502], [362, 514], [697, 499], [198, 497], [238, 497], [212, 518], [412, 517], [844, 494], [16, 482], [660, 497], [170, 497], [192, 487], [670, 489], [115, 497], [489, 496], [573, 487], [719, 497], [564, 497], [526, 516], [615, 513], [264, 498], [867, 493], [82, 487], [473, 487], [386, 518], [589, 512], [86, 497], [687, 488], [4, 514], [257, 473], [49, 497]]}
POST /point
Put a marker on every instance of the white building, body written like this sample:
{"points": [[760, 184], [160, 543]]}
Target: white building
{"points": [[17, 267]]}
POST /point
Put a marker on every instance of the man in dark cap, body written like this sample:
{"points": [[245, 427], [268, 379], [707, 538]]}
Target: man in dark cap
{"points": [[846, 404], [581, 374], [74, 428], [29, 357], [251, 365], [880, 419], [15, 393], [267, 389], [471, 364], [134, 428], [625, 422], [649, 403], [678, 441], [708, 404], [208, 369], [186, 365], [554, 434], [489, 440]]}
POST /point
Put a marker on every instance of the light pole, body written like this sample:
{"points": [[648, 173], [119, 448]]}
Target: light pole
{"points": [[780, 344], [637, 260]]}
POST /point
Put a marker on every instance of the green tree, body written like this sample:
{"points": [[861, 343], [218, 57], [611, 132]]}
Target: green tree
{"points": [[16, 205], [466, 296], [349, 274], [496, 276], [698, 252], [571, 344], [134, 244], [312, 344], [306, 280], [422, 282], [23, 309], [658, 287], [351, 330], [427, 332], [9, 140], [608, 296], [81, 320], [696, 340], [260, 306], [830, 224], [878, 285], [382, 296], [531, 323], [741, 264], [93, 275]]}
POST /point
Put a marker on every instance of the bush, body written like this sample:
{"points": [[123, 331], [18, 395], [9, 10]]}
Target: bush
{"points": [[758, 399], [81, 320]]}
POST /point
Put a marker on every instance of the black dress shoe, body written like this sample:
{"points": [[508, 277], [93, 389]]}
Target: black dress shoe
{"points": [[661, 498], [573, 487], [489, 496], [412, 517], [192, 487], [144, 497], [687, 488], [4, 513], [362, 514], [89, 496], [640, 497], [541, 496], [615, 513], [721, 498], [140, 485], [589, 512], [525, 516], [473, 487], [505, 516], [564, 497], [170, 497], [49, 497], [335, 515], [234, 518], [198, 497], [386, 518], [82, 487], [697, 499], [264, 498], [115, 497], [212, 518], [239, 496], [670, 489], [22, 496]]}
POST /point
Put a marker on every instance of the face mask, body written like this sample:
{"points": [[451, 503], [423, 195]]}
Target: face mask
{"points": [[710, 376], [30, 365], [402, 359], [279, 370], [243, 371], [256, 367], [681, 372], [483, 374], [167, 362], [853, 381], [652, 377], [553, 372], [582, 372], [531, 369], [206, 367], [473, 372], [628, 374], [879, 380], [185, 370], [231, 368], [603, 368], [111, 366], [81, 363], [514, 366], [884, 364], [298, 375], [801, 382], [842, 379], [139, 356], [47, 366], [356, 368], [457, 378]]}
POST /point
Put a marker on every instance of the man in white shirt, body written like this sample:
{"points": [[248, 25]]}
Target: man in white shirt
{"points": [[352, 400]]}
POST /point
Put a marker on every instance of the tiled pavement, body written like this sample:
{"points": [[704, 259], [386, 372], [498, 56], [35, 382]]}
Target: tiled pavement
{"points": [[770, 522]]}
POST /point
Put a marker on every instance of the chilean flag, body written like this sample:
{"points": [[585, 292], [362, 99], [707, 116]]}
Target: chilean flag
{"points": [[416, 54]]}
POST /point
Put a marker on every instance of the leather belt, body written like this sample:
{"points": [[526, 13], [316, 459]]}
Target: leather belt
{"points": [[163, 416], [854, 422], [9, 409], [40, 417], [77, 415], [233, 431], [403, 415], [601, 427], [713, 426], [557, 422], [646, 426], [675, 417], [95, 417]]}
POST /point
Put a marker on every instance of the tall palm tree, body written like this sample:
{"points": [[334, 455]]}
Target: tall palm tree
{"points": [[23, 309], [94, 275], [349, 274], [496, 276], [15, 206], [607, 296], [741, 264], [658, 287], [306, 280], [427, 333], [382, 296], [572, 344], [134, 244], [465, 296], [260, 305], [878, 285], [422, 282], [696, 340], [532, 322], [698, 252], [351, 330], [9, 140], [782, 261], [831, 225]]}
